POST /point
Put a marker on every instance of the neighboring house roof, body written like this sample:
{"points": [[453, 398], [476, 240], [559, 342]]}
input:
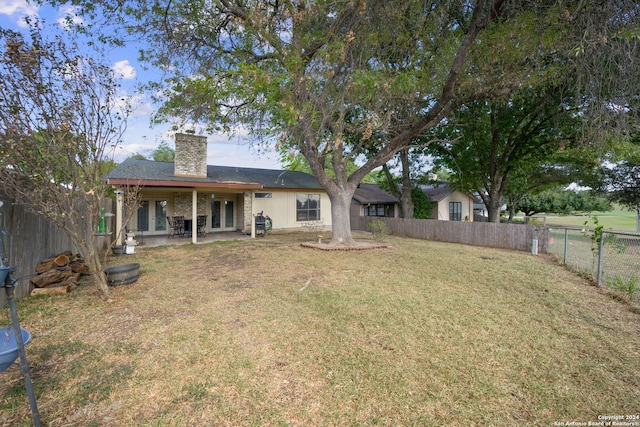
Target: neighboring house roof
{"points": [[479, 204], [161, 174], [439, 192], [369, 194]]}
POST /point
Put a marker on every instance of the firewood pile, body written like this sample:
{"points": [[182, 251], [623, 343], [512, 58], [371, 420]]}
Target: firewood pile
{"points": [[58, 274]]}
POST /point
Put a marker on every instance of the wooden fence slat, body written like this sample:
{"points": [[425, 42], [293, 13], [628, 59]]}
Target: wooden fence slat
{"points": [[34, 239], [503, 235]]}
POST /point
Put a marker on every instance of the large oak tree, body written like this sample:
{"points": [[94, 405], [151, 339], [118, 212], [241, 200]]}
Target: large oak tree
{"points": [[500, 140], [350, 80]]}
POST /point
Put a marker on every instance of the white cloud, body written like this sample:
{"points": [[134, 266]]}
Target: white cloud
{"points": [[137, 105], [67, 13], [140, 107], [18, 8], [124, 70], [15, 7]]}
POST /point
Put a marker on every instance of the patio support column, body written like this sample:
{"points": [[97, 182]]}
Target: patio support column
{"points": [[118, 230], [194, 216], [253, 226]]}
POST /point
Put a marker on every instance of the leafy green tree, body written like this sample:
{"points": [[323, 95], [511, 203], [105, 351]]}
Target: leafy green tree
{"points": [[401, 188], [422, 206], [501, 139], [558, 201], [578, 164], [164, 153], [297, 162], [344, 81], [623, 183]]}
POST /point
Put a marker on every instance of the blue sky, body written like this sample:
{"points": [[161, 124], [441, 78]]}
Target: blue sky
{"points": [[140, 137]]}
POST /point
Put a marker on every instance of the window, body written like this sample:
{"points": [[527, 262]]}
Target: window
{"points": [[455, 211], [377, 210], [263, 195], [307, 207]]}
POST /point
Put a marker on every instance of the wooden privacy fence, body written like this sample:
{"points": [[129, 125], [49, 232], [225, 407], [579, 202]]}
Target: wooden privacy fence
{"points": [[34, 239], [512, 236]]}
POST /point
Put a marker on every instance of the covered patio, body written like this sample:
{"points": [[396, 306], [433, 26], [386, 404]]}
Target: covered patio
{"points": [[163, 240]]}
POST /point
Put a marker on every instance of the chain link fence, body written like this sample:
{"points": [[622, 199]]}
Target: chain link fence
{"points": [[612, 259]]}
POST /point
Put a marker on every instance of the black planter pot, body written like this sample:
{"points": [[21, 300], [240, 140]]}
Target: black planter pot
{"points": [[122, 274], [118, 250]]}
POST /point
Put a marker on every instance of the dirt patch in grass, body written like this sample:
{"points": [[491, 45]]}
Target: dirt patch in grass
{"points": [[359, 245], [264, 332]]}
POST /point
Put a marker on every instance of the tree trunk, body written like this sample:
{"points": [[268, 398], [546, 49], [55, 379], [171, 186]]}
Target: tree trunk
{"points": [[340, 216], [494, 204], [405, 196], [638, 219], [94, 265]]}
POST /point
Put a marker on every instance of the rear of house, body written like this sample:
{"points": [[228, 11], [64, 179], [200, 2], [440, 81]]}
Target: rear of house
{"points": [[229, 197]]}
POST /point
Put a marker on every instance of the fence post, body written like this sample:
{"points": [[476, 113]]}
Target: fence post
{"points": [[600, 247], [566, 245]]}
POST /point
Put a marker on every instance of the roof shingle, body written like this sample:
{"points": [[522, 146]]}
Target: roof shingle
{"points": [[146, 171]]}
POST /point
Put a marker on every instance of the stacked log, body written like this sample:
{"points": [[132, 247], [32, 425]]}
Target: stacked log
{"points": [[58, 274]]}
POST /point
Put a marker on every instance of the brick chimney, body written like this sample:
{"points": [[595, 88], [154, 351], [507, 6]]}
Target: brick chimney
{"points": [[191, 155]]}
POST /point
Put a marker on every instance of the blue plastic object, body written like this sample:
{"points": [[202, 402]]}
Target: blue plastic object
{"points": [[9, 346], [4, 271]]}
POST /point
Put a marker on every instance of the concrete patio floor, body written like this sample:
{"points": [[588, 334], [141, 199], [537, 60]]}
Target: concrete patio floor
{"points": [[152, 241]]}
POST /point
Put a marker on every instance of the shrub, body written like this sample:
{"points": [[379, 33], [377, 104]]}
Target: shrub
{"points": [[378, 228], [315, 227]]}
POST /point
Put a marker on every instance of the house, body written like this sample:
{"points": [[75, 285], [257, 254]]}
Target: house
{"points": [[229, 197], [449, 204], [371, 200]]}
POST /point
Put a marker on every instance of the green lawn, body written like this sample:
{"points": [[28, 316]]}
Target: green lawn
{"points": [[268, 333], [616, 220]]}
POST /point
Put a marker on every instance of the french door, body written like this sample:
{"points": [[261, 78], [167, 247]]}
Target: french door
{"points": [[222, 215], [152, 216]]}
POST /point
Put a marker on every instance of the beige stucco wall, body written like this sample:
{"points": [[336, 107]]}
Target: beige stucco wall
{"points": [[281, 208], [467, 206]]}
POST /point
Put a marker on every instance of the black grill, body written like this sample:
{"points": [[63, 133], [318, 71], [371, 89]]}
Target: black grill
{"points": [[263, 224]]}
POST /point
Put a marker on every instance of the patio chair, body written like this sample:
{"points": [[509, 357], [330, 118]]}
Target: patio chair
{"points": [[202, 223], [178, 225], [172, 226]]}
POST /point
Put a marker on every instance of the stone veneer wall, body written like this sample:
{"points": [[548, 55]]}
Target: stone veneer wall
{"points": [[191, 155], [182, 204], [244, 215]]}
